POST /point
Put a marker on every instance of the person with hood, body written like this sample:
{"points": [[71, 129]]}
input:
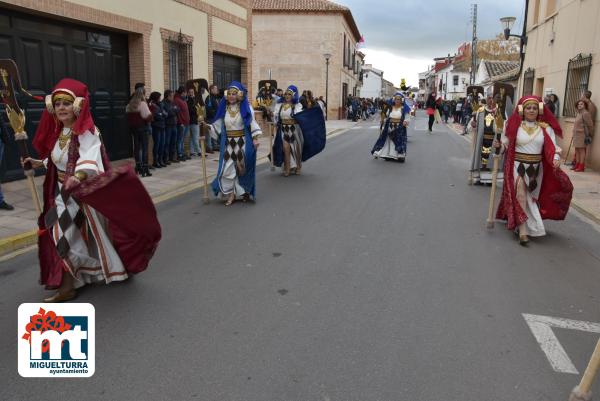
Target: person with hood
{"points": [[535, 188], [98, 224], [391, 144], [289, 133], [239, 133]]}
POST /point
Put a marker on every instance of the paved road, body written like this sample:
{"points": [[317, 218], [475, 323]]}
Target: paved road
{"points": [[359, 280]]}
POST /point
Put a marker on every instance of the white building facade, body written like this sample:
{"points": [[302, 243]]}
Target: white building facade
{"points": [[372, 84]]}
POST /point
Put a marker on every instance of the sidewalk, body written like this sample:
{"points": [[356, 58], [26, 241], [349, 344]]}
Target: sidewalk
{"points": [[586, 192], [18, 227]]}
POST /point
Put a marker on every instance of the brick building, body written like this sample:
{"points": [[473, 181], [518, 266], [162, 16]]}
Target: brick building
{"points": [[112, 44], [290, 39]]}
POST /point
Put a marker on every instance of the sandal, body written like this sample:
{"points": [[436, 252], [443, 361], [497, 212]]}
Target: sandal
{"points": [[230, 201], [61, 297]]}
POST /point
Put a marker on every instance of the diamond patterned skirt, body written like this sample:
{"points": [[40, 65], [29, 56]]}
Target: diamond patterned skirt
{"points": [[82, 242], [528, 179], [292, 134], [234, 165]]}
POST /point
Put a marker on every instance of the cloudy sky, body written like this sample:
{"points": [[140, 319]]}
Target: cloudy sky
{"points": [[403, 36]]}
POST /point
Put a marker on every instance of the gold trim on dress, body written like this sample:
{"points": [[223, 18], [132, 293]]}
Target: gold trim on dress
{"points": [[529, 158], [235, 133], [288, 121], [395, 120]]}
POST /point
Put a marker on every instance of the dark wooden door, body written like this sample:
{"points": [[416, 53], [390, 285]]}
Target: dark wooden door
{"points": [[226, 69], [46, 51]]}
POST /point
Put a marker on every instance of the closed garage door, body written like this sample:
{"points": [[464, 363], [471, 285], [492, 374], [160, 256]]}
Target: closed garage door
{"points": [[46, 51], [226, 69]]}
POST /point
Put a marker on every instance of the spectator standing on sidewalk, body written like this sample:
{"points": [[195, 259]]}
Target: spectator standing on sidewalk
{"points": [[138, 117], [583, 131], [591, 107], [446, 111], [170, 128], [158, 130], [458, 112], [193, 104], [183, 122], [3, 142]]}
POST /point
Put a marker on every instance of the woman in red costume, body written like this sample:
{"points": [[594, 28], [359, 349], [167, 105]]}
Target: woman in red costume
{"points": [[98, 224], [535, 188]]}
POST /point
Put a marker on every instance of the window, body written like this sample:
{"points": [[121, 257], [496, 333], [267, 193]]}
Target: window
{"points": [[578, 78], [455, 80], [345, 53], [528, 81], [179, 62]]}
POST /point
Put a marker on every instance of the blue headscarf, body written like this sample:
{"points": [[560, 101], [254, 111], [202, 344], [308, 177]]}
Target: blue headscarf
{"points": [[405, 106], [244, 104], [295, 97]]}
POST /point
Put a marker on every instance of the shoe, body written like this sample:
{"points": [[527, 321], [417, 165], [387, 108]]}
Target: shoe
{"points": [[138, 169], [156, 165], [6, 206], [210, 151], [523, 240], [580, 168], [151, 167], [61, 297], [167, 163], [162, 164], [174, 161], [574, 166], [147, 172]]}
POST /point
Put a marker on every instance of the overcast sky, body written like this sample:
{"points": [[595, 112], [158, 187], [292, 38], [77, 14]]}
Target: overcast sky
{"points": [[403, 36]]}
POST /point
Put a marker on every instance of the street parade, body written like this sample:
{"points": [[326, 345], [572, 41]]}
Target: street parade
{"points": [[199, 202]]}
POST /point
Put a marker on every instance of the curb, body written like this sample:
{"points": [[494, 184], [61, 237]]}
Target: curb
{"points": [[17, 242]]}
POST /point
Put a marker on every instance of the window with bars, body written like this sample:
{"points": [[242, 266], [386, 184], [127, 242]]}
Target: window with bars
{"points": [[455, 80], [179, 62], [578, 78], [528, 77]]}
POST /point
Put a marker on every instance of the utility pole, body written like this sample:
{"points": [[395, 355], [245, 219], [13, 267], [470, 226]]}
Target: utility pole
{"points": [[474, 43]]}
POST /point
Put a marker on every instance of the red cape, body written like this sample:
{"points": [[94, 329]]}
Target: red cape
{"points": [[555, 193], [122, 199]]}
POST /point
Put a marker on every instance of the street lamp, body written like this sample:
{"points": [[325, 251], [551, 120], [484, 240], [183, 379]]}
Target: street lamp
{"points": [[507, 24], [327, 57]]}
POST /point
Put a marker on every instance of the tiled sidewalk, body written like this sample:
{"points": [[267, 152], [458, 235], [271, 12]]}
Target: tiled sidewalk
{"points": [[18, 227], [586, 192]]}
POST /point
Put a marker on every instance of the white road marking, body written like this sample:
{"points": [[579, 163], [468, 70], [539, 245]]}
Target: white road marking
{"points": [[356, 127], [541, 327]]}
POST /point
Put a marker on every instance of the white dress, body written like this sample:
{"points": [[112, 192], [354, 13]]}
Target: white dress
{"points": [[290, 133], [389, 148], [527, 192], [228, 181], [90, 257]]}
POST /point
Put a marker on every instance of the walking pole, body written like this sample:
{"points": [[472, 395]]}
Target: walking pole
{"points": [[583, 391], [271, 129], [203, 138], [567, 156], [496, 156]]}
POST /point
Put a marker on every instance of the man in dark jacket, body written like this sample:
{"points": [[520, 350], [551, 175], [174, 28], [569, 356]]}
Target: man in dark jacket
{"points": [[3, 142], [170, 127], [183, 122]]}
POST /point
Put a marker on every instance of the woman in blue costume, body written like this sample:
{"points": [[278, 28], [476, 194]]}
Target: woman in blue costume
{"points": [[391, 144], [239, 134], [289, 141]]}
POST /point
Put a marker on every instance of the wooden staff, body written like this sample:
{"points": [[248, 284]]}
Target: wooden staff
{"points": [[271, 134], [583, 391], [496, 156], [204, 137]]}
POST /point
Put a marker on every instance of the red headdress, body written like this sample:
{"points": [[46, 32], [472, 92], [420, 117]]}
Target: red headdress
{"points": [[49, 127], [544, 115]]}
